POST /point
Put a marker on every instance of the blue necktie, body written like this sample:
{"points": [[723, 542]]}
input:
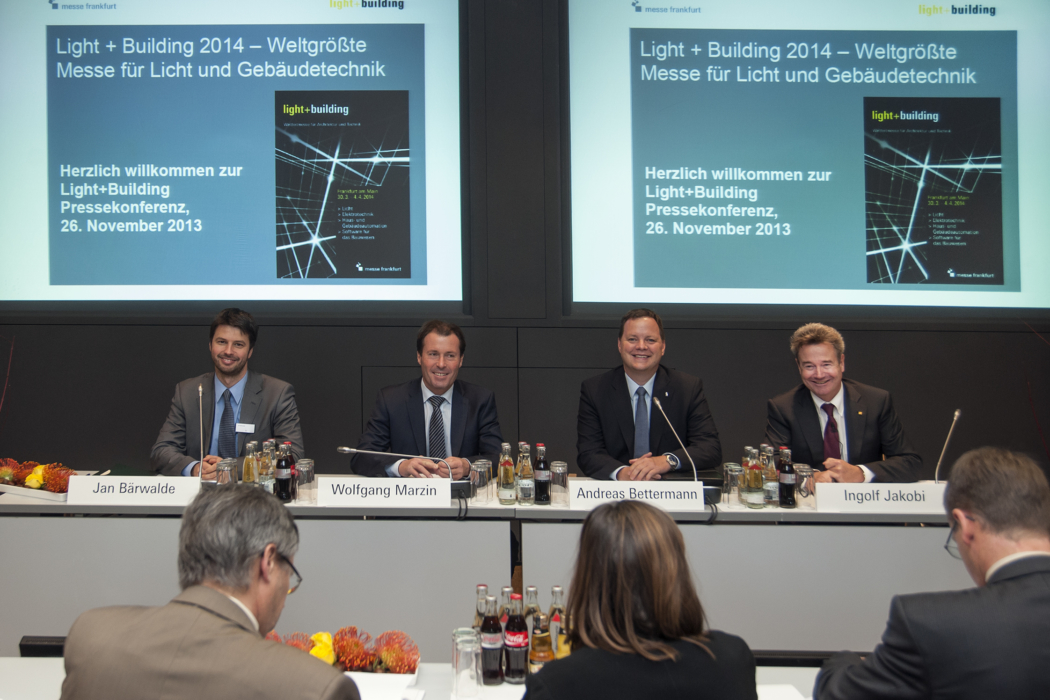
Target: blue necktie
{"points": [[227, 436], [641, 424], [437, 429]]}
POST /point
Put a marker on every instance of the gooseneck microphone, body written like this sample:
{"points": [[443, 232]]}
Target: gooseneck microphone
{"points": [[355, 451], [658, 405], [937, 469], [200, 412]]}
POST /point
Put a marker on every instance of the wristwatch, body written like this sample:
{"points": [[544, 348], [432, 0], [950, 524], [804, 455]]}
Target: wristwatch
{"points": [[672, 461]]}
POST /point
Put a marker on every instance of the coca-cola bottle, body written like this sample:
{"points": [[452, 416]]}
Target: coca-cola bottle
{"points": [[787, 479], [543, 476], [491, 644], [295, 472], [515, 643], [283, 475]]}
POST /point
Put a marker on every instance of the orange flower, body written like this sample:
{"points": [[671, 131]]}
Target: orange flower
{"points": [[397, 652], [353, 649]]}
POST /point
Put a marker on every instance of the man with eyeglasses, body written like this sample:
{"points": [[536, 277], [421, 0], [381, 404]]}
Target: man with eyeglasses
{"points": [[236, 547], [992, 641]]}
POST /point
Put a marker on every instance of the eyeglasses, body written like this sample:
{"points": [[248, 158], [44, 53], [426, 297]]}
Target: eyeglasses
{"points": [[951, 546], [295, 580]]}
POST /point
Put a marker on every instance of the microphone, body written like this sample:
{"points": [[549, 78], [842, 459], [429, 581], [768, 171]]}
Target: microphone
{"points": [[200, 412], [355, 451], [658, 405], [937, 469]]}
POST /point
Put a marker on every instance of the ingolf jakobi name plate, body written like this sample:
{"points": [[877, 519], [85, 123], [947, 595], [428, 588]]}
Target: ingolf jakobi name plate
{"points": [[383, 493], [673, 496], [880, 498], [132, 490]]}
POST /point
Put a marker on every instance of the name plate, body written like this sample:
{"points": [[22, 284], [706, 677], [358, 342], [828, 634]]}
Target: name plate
{"points": [[383, 493], [669, 495], [880, 498], [132, 490]]}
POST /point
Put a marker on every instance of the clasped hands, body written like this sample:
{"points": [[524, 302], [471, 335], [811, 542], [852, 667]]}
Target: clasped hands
{"points": [[420, 467], [644, 468], [840, 471]]}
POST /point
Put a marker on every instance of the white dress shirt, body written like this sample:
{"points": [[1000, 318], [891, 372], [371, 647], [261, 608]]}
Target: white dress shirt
{"points": [[428, 410], [839, 402]]}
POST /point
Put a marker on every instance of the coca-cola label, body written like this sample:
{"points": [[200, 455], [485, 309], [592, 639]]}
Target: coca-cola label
{"points": [[491, 640], [516, 639], [787, 478], [556, 618], [543, 476], [284, 473]]}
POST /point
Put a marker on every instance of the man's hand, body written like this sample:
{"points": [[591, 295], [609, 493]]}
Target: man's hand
{"points": [[209, 463], [460, 468], [840, 471], [418, 467], [644, 468]]}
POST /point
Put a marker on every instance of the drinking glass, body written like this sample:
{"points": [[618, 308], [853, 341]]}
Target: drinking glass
{"points": [[559, 485], [480, 476], [805, 487], [466, 670], [306, 481]]}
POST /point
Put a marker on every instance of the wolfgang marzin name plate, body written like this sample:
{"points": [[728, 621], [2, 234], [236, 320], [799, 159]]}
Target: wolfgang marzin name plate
{"points": [[132, 490], [669, 495], [881, 498], [383, 493]]}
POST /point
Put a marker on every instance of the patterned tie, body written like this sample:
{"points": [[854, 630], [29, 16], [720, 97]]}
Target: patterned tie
{"points": [[641, 424], [227, 437], [437, 429], [831, 434]]}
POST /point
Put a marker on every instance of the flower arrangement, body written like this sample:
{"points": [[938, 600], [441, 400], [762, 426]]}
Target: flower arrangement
{"points": [[31, 475], [355, 650]]}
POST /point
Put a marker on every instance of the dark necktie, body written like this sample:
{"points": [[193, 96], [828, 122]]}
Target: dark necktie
{"points": [[831, 434], [227, 436], [641, 424], [437, 429]]}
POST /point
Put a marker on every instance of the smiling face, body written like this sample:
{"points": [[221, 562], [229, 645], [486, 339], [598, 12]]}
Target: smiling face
{"points": [[440, 361], [641, 348], [230, 351], [821, 368]]}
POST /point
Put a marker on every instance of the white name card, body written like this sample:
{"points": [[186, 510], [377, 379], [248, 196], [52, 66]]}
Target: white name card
{"points": [[132, 490], [383, 493], [880, 498], [669, 495]]}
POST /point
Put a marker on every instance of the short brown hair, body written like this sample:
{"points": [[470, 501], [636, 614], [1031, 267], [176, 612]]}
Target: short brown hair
{"points": [[631, 591], [815, 334], [1005, 489], [239, 319], [642, 313], [444, 329]]}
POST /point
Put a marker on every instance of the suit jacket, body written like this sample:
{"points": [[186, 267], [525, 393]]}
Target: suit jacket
{"points": [[605, 423], [397, 425], [603, 675], [989, 642], [874, 435], [200, 645], [268, 403]]}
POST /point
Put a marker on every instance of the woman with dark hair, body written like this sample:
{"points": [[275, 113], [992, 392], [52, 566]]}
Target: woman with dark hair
{"points": [[637, 627]]}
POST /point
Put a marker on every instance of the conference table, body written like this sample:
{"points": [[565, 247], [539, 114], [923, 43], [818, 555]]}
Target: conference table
{"points": [[782, 579]]}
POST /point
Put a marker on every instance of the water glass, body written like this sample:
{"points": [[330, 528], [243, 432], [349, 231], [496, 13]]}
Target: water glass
{"points": [[559, 485], [480, 480], [306, 481], [463, 633], [466, 670], [805, 488], [225, 471], [734, 480]]}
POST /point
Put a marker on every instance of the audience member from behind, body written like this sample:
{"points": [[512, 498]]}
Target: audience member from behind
{"points": [[236, 547], [992, 641], [637, 627]]}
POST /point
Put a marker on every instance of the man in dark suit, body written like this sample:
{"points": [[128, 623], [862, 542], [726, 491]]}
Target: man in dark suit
{"points": [[620, 433], [992, 641], [845, 430], [240, 406], [236, 547], [440, 417]]}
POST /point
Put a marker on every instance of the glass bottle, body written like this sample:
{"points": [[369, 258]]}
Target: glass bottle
{"points": [[295, 472], [479, 605], [563, 647], [543, 476], [266, 466], [770, 478], [532, 606], [515, 643], [541, 651], [491, 644], [505, 489], [787, 479], [755, 492], [504, 604], [283, 476], [526, 480], [523, 449], [249, 471], [556, 614]]}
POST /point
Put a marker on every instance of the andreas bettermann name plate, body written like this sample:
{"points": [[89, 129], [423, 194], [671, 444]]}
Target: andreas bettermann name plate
{"points": [[383, 493], [924, 497], [132, 490], [669, 495]]}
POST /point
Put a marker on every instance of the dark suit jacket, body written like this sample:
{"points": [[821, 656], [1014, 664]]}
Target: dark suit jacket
{"points": [[397, 425], [268, 403], [874, 435], [990, 642], [200, 645], [603, 675], [605, 423]]}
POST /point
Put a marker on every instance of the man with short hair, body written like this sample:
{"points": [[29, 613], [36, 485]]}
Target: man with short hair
{"points": [[992, 641], [845, 430], [240, 406], [236, 547], [621, 434], [438, 417]]}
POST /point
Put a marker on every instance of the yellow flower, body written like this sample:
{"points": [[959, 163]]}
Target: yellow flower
{"points": [[34, 481], [323, 647]]}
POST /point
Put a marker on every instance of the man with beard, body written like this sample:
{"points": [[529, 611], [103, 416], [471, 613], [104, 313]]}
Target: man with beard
{"points": [[240, 406]]}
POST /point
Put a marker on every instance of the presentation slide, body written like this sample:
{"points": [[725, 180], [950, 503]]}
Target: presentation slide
{"points": [[271, 150], [810, 152]]}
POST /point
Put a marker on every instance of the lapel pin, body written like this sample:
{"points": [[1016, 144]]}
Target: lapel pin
{"points": [[860, 413], [666, 394]]}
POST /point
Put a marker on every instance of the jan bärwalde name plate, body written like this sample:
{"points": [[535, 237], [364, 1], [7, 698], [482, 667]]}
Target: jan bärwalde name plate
{"points": [[383, 493], [925, 497], [132, 490], [669, 495]]}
